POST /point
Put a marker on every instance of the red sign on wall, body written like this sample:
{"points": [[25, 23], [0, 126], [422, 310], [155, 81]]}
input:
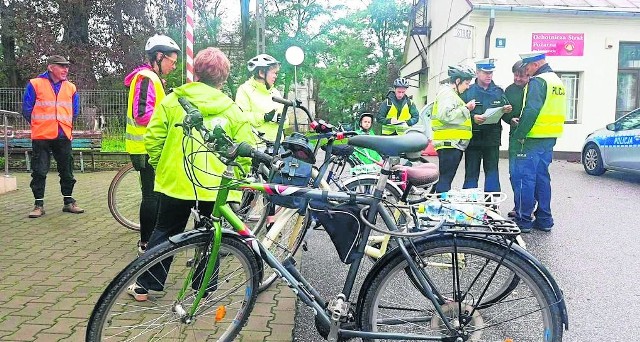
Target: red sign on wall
{"points": [[558, 44]]}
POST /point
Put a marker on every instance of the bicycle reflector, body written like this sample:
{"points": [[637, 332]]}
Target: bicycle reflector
{"points": [[298, 144], [221, 311]]}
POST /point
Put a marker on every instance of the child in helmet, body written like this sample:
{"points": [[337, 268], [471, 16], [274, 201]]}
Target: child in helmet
{"points": [[365, 155]]}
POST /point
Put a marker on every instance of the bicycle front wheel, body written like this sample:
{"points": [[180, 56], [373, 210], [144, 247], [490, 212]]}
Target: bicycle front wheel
{"points": [[220, 315], [529, 312], [124, 197]]}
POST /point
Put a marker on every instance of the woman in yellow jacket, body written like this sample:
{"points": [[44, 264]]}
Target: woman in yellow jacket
{"points": [[254, 95], [166, 148]]}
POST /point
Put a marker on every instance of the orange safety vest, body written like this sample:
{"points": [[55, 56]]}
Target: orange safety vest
{"points": [[51, 110]]}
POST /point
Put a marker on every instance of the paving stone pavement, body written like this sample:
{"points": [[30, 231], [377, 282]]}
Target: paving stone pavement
{"points": [[54, 268]]}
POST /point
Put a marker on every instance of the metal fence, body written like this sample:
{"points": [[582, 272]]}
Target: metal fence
{"points": [[101, 110]]}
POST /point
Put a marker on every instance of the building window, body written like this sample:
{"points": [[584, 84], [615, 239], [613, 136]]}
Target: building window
{"points": [[571, 82]]}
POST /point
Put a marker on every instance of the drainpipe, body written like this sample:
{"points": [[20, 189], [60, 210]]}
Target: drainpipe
{"points": [[487, 37]]}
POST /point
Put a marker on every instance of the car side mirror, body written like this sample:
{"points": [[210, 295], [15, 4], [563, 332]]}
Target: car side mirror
{"points": [[611, 127]]}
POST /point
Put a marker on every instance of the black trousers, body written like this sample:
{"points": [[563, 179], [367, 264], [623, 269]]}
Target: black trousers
{"points": [[149, 203], [488, 156], [41, 162], [448, 162], [173, 216]]}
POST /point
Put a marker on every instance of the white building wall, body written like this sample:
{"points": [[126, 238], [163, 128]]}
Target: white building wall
{"points": [[597, 67]]}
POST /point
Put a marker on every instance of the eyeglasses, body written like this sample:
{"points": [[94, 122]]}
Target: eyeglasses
{"points": [[173, 61]]}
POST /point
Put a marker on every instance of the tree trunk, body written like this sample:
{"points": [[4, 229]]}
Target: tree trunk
{"points": [[8, 41], [76, 39]]}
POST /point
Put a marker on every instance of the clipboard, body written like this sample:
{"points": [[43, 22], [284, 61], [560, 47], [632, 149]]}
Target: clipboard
{"points": [[492, 115]]}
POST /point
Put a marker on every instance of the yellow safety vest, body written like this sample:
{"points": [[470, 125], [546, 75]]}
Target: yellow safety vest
{"points": [[393, 114], [134, 143], [448, 132], [550, 121]]}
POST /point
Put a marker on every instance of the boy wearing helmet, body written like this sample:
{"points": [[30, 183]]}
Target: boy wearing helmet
{"points": [[397, 111], [365, 155], [254, 95], [146, 90], [451, 124]]}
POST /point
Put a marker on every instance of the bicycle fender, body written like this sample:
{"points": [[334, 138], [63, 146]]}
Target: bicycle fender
{"points": [[514, 248], [225, 233]]}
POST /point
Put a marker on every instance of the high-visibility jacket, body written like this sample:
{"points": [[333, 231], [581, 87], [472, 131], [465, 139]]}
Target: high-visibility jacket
{"points": [[134, 143], [450, 121], [550, 120], [51, 110], [393, 114], [255, 100]]}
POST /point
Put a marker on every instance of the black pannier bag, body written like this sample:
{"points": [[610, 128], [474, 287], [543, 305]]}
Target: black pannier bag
{"points": [[342, 223], [296, 173]]}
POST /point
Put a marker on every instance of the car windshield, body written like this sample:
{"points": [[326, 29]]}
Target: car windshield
{"points": [[629, 121]]}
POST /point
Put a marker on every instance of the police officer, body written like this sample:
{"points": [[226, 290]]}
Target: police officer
{"points": [[484, 146], [451, 124], [397, 111], [540, 124]]}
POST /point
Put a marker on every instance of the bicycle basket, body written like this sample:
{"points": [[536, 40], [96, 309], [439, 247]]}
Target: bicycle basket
{"points": [[296, 173], [342, 223]]}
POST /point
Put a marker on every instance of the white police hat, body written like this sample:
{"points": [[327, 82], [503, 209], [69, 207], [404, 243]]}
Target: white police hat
{"points": [[532, 56], [487, 64]]}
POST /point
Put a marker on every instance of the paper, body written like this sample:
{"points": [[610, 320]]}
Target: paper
{"points": [[492, 115]]}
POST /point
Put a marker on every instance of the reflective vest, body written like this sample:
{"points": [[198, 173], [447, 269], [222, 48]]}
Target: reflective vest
{"points": [[550, 121], [393, 114], [445, 132], [51, 110], [134, 143]]}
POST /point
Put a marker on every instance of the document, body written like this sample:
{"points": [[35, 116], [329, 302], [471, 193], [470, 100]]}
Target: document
{"points": [[492, 115]]}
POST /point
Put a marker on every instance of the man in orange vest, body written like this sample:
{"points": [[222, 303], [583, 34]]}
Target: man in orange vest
{"points": [[50, 105]]}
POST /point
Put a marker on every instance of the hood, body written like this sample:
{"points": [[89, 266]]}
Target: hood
{"points": [[129, 78], [209, 100]]}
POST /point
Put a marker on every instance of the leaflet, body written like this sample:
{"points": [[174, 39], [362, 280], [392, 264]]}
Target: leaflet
{"points": [[492, 115]]}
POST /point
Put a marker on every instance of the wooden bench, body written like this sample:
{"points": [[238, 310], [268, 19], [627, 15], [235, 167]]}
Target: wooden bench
{"points": [[83, 141]]}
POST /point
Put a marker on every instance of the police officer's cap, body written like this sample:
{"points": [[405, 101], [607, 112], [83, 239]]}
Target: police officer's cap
{"points": [[57, 59], [532, 56], [487, 64]]}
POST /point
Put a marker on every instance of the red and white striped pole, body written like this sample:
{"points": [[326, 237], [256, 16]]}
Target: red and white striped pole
{"points": [[189, 35]]}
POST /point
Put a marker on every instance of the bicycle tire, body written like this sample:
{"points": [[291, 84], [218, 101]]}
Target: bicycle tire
{"points": [[220, 315], [124, 197], [533, 291]]}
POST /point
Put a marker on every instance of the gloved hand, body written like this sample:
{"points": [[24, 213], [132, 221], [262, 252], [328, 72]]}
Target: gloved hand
{"points": [[269, 116]]}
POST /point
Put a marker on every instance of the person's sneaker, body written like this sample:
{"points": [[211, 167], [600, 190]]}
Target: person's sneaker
{"points": [[72, 208], [512, 213], [36, 212], [139, 293]]}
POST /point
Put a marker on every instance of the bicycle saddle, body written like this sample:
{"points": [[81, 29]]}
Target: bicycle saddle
{"points": [[391, 145], [421, 175]]}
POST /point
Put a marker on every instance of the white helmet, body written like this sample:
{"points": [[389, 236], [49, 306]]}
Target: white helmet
{"points": [[161, 43], [261, 61]]}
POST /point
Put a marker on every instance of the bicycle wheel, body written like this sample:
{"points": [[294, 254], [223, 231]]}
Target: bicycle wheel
{"points": [[282, 237], [124, 197], [529, 313], [219, 316]]}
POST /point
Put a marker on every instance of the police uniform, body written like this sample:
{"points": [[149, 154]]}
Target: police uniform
{"points": [[541, 123], [484, 146]]}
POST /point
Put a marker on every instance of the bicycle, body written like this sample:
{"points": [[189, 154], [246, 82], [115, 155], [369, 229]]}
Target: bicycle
{"points": [[411, 293]]}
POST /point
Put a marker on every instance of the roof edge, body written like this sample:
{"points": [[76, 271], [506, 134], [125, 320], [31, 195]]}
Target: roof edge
{"points": [[596, 11]]}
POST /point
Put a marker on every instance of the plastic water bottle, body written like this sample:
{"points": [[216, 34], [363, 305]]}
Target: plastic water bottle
{"points": [[461, 196], [467, 213], [434, 210]]}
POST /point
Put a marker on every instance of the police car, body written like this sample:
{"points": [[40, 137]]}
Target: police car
{"points": [[616, 147]]}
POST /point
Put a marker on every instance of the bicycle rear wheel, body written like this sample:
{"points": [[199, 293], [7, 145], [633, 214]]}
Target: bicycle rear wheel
{"points": [[528, 313], [220, 315], [124, 197]]}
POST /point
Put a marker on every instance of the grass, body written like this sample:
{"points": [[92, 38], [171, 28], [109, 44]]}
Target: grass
{"points": [[113, 142]]}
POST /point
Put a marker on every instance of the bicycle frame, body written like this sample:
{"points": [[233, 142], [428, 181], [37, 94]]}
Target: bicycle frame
{"points": [[287, 271]]}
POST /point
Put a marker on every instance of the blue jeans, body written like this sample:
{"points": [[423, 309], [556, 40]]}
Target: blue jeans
{"points": [[532, 184]]}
